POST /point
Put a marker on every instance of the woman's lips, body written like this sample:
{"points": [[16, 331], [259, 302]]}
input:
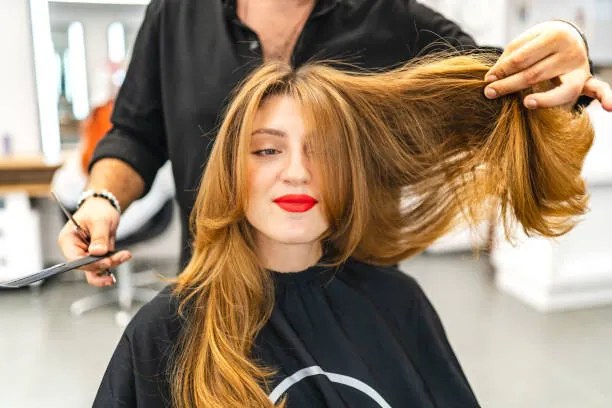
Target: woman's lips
{"points": [[296, 202]]}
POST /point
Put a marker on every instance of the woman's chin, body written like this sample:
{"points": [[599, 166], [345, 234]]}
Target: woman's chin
{"points": [[297, 239]]}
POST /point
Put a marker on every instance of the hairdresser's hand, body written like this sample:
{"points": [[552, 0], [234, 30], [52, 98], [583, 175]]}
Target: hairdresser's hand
{"points": [[553, 49], [101, 220]]}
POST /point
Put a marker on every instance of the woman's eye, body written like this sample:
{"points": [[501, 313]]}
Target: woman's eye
{"points": [[265, 152]]}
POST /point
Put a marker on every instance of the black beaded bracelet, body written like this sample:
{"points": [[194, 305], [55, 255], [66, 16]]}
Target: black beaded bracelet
{"points": [[102, 194]]}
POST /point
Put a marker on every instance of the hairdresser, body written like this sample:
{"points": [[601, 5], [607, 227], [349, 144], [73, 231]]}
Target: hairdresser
{"points": [[190, 54]]}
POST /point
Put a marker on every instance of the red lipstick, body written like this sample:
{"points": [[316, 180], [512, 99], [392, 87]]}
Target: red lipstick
{"points": [[296, 202]]}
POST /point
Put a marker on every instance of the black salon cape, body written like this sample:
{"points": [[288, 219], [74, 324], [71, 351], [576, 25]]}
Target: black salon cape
{"points": [[357, 336]]}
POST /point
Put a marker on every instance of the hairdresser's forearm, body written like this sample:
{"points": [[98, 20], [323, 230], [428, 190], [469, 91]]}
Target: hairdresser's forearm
{"points": [[117, 177]]}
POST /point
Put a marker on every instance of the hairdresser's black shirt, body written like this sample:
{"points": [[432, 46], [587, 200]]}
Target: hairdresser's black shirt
{"points": [[189, 55], [358, 337]]}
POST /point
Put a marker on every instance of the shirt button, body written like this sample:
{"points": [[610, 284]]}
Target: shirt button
{"points": [[253, 45]]}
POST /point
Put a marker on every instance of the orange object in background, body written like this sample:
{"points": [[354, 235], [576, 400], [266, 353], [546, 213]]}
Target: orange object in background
{"points": [[93, 129]]}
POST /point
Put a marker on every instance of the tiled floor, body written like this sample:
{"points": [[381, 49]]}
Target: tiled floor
{"points": [[512, 355]]}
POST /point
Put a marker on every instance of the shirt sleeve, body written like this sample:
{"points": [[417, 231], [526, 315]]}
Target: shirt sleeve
{"points": [[117, 389], [138, 135], [432, 32]]}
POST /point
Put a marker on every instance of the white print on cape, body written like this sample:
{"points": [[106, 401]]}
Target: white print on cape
{"points": [[298, 376]]}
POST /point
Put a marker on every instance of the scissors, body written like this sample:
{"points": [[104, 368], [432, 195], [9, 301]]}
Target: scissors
{"points": [[54, 270], [83, 234]]}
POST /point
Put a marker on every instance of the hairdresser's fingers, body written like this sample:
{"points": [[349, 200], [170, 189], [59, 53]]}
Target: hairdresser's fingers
{"points": [[543, 70], [566, 93], [600, 90], [510, 48], [520, 59], [549, 38], [98, 280], [99, 277]]}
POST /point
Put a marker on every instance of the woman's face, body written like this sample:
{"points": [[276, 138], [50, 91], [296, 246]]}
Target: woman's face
{"points": [[283, 183]]}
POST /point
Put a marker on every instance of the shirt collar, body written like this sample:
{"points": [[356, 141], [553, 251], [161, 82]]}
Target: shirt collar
{"points": [[322, 7]]}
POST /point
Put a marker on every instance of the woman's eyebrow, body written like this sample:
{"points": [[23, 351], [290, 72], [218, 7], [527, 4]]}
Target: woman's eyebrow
{"points": [[274, 132]]}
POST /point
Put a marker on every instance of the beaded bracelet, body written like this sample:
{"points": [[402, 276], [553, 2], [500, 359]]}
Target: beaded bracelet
{"points": [[102, 194]]}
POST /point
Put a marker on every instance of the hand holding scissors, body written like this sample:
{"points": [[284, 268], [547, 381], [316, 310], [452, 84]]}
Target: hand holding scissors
{"points": [[91, 231]]}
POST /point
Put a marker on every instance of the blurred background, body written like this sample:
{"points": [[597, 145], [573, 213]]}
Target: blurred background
{"points": [[530, 322]]}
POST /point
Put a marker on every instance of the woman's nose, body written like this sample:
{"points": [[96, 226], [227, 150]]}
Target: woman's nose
{"points": [[296, 170]]}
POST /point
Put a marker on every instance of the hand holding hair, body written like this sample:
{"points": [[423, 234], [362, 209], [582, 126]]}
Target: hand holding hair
{"points": [[550, 50]]}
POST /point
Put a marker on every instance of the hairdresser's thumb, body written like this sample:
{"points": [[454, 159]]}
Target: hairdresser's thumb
{"points": [[99, 239]]}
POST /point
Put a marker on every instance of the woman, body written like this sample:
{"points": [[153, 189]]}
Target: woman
{"points": [[316, 179]]}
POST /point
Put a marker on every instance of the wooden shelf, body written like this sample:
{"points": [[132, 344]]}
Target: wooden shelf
{"points": [[26, 173], [27, 162], [33, 190]]}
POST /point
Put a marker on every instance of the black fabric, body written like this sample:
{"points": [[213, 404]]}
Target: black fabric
{"points": [[189, 55], [368, 336]]}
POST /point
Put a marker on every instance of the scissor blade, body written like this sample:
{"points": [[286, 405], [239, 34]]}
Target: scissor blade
{"points": [[80, 230], [53, 270]]}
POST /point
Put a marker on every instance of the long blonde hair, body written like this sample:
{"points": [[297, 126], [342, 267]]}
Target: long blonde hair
{"points": [[403, 155]]}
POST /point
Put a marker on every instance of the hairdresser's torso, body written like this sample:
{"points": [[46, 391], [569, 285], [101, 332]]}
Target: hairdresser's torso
{"points": [[360, 337], [190, 54]]}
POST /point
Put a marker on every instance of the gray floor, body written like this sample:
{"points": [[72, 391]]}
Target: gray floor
{"points": [[512, 355]]}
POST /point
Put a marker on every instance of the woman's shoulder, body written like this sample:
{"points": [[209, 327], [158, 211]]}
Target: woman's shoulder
{"points": [[388, 282], [136, 373], [157, 319], [395, 294]]}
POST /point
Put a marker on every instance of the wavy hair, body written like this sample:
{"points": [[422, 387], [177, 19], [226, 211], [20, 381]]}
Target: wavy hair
{"points": [[404, 155]]}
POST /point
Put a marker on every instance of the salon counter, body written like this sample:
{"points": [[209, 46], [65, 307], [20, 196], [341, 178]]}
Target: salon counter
{"points": [[26, 173]]}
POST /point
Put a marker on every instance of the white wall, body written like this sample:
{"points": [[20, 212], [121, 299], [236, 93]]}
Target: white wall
{"points": [[484, 20], [593, 16], [496, 22], [18, 102]]}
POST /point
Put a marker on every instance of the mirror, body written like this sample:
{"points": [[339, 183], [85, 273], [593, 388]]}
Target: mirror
{"points": [[91, 43]]}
